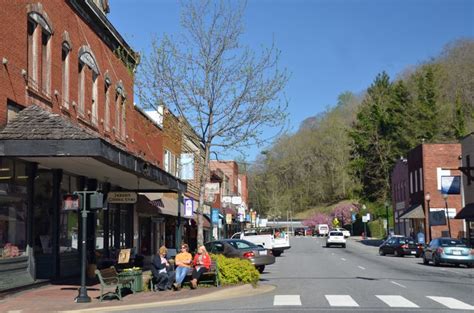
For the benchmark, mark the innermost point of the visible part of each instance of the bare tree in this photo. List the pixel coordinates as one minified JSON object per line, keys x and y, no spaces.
{"x":227,"y":92}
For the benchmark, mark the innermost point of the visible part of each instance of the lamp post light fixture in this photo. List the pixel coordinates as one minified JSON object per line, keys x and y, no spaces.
{"x":428,"y":198}
{"x":445,"y":197}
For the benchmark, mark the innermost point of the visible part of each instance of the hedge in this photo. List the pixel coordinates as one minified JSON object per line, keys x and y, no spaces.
{"x":376,"y":229}
{"x":233,"y":271}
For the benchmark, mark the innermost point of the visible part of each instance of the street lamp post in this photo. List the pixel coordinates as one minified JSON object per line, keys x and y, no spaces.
{"x":386,"y":212}
{"x":445,"y":197}
{"x":365,"y":223}
{"x":428,"y":198}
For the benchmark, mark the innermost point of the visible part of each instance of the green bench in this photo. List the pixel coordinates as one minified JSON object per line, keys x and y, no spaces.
{"x":211,"y":276}
{"x":109,"y":278}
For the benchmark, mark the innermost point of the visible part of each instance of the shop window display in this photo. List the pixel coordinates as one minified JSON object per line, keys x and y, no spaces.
{"x":13,"y":208}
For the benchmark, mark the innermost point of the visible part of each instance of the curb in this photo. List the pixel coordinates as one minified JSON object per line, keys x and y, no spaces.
{"x":228,"y":293}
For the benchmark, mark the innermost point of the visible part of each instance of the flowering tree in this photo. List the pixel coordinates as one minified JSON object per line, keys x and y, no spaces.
{"x":318,"y":218}
{"x":343,"y":212}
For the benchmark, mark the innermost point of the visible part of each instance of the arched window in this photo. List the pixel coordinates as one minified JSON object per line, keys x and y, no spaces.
{"x":107,"y":88}
{"x":39,"y":32}
{"x":120,"y":111}
{"x":88,"y":68}
{"x":65,"y":56}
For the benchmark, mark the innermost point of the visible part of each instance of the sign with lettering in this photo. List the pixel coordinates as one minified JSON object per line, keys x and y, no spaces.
{"x":122,"y":197}
{"x":188,"y":207}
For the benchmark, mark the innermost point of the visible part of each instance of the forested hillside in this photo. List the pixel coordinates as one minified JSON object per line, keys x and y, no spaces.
{"x":348,"y":151}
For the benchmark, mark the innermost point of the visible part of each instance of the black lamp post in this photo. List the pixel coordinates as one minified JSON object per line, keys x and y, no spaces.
{"x":428,"y":198}
{"x":445,"y":197}
{"x":386,"y":212}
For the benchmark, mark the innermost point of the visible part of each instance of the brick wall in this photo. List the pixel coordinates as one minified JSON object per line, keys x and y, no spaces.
{"x":444,"y":156}
{"x":63,"y":18}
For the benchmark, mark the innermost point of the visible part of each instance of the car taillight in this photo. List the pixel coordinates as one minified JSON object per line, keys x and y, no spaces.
{"x":405,"y":246}
{"x":439,"y":250}
{"x":249,"y":255}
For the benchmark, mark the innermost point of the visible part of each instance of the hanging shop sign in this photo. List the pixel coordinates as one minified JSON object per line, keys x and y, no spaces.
{"x":188,"y":207}
{"x":122,"y":197}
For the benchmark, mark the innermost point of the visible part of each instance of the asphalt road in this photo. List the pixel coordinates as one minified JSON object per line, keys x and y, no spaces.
{"x":312,"y":278}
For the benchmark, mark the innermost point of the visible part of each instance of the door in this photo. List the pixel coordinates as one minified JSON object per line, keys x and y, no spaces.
{"x":145,"y":236}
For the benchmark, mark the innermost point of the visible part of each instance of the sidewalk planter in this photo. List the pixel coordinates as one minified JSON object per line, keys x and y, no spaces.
{"x":137,"y":285}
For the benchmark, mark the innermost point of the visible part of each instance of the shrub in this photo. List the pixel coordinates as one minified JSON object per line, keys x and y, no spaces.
{"x":376,"y":229}
{"x":233,"y":271}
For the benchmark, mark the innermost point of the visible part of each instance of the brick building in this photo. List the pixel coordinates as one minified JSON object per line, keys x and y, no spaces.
{"x":433,"y":185}
{"x":69,"y":124}
{"x":467,"y":213}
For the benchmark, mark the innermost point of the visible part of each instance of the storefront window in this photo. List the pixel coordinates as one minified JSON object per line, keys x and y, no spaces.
{"x":13,"y":208}
{"x":68,"y":223}
{"x":43,"y":212}
{"x":99,"y":230}
{"x":119,"y":225}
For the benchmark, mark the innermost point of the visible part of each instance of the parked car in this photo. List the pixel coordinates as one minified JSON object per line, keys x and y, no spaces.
{"x":400,"y":246}
{"x":238,"y":248}
{"x":335,"y":238}
{"x":448,"y":250}
{"x":344,"y":231}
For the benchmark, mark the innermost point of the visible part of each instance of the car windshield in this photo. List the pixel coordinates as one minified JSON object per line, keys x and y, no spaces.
{"x":451,"y":243}
{"x":242,"y":244}
{"x":335,"y":233}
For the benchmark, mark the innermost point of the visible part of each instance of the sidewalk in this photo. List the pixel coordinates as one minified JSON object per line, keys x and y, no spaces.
{"x":60,"y":298}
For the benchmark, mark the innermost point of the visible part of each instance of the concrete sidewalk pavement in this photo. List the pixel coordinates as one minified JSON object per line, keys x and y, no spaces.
{"x":60,"y":298}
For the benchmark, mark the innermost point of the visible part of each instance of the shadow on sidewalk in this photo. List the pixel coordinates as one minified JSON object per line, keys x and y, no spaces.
{"x":371,"y":242}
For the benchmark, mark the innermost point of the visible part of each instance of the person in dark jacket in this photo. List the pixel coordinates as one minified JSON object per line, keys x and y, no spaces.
{"x":163,"y":274}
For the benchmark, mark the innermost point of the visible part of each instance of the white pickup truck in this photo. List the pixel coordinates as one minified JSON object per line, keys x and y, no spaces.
{"x":269,"y":238}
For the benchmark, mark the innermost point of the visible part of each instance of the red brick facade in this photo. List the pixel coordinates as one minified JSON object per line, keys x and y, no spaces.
{"x":17,"y":86}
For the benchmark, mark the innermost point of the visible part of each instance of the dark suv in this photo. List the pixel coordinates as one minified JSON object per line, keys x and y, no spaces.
{"x":400,"y":246}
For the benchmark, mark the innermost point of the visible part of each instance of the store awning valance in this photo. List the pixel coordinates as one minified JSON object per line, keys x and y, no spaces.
{"x":52,"y":141}
{"x":414,"y":211}
{"x":466,"y":213}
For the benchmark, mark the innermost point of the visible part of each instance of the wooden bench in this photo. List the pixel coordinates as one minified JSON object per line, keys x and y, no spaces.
{"x":109,"y":278}
{"x":211,"y":276}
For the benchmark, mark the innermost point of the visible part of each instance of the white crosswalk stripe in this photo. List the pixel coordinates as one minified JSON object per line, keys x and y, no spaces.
{"x":341,"y":300}
{"x":452,"y":303}
{"x":394,"y":301}
{"x":286,"y":300}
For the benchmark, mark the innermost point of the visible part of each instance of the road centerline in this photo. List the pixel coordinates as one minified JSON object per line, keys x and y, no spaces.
{"x":398,"y":284}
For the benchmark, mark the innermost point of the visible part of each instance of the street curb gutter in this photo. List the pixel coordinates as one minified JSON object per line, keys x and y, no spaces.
{"x":228,"y":293}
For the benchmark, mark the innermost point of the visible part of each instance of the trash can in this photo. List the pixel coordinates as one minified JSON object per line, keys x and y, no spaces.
{"x":137,"y":284}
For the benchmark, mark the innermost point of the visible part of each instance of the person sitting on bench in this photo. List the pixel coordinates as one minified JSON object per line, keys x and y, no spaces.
{"x":202,"y":264}
{"x":163,"y":275}
{"x":183,"y":262}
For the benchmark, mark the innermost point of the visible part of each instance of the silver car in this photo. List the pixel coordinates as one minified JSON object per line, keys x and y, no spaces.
{"x":238,"y":248}
{"x":448,"y":250}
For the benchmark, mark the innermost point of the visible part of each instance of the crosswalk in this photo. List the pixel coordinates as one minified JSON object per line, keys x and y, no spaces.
{"x":392,"y":301}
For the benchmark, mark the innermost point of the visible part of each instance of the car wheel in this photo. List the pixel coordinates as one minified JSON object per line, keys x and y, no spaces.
{"x":261,"y":268}
{"x":396,"y":253}
{"x":344,"y":245}
{"x":470,"y":265}
{"x":276,"y":253}
{"x":381,"y":252}
{"x":457,"y":264}
{"x":425,"y":261}
{"x":328,"y":245}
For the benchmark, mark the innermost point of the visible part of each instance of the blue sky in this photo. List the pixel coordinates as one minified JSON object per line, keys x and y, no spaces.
{"x":329,"y":46}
